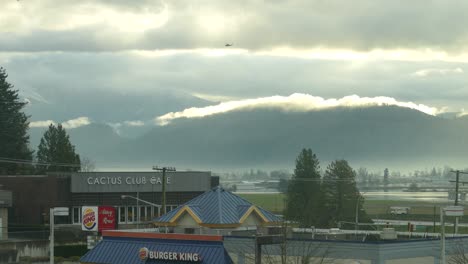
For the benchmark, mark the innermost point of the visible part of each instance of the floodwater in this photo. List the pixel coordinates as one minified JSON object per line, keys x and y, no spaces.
{"x":407,"y":196}
{"x":381,"y":195}
{"x":395,"y":195}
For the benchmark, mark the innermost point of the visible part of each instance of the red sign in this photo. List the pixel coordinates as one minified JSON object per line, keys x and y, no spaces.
{"x":106,"y":218}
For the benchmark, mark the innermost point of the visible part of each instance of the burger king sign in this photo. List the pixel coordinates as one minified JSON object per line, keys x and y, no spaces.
{"x":89,"y":218}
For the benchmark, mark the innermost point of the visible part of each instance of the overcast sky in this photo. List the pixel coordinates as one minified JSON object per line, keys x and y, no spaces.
{"x":412,"y":51}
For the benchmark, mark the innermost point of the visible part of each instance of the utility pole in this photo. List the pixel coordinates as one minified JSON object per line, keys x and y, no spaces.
{"x":51,"y":238}
{"x":164,"y":169}
{"x":442,"y":235}
{"x":457,"y":185}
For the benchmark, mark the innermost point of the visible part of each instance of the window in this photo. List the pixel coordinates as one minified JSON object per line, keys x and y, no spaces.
{"x":189,"y":230}
{"x":122,"y":218}
{"x":133,"y":214}
{"x":148,"y":213}
{"x":129,"y":214}
{"x":76,"y":215}
{"x":156,"y":212}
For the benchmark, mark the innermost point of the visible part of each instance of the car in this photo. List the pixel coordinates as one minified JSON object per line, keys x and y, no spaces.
{"x":394,"y":210}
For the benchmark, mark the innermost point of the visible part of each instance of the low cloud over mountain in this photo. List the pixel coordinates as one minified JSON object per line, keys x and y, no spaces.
{"x":371,"y":136}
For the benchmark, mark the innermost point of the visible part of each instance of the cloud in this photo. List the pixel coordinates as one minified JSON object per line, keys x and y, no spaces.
{"x":45,"y":123}
{"x":78,"y":122}
{"x":462,"y":113}
{"x":69,"y":124}
{"x":140,"y":81}
{"x":435,"y":72}
{"x":119,"y":126}
{"x":39,"y":25}
{"x":293,"y":103}
{"x":134,"y":123}
{"x":214,"y":98}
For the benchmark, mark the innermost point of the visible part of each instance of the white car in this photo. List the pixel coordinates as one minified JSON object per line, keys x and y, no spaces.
{"x":399,"y":210}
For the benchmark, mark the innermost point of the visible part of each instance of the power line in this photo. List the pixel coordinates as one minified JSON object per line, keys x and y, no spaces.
{"x":13,"y":159}
{"x":31,"y":162}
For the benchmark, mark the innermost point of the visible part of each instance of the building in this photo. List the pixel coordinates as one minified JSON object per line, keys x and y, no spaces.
{"x":135,"y":247}
{"x":5,"y":203}
{"x":33,"y":195}
{"x":414,"y":251}
{"x":217,"y":211}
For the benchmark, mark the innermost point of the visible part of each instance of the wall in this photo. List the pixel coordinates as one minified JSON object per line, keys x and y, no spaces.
{"x":12,"y":251}
{"x":3,"y":223}
{"x":421,"y":251}
{"x":186,"y":220}
{"x":33,"y":195}
{"x":252,"y":220}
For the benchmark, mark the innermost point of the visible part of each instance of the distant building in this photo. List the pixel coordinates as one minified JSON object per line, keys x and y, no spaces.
{"x":217,"y":211}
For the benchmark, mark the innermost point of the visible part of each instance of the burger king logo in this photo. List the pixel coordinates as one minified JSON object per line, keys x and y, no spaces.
{"x":143,"y":253}
{"x":89,"y":218}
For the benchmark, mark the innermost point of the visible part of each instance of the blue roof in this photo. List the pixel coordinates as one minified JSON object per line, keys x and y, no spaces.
{"x":118,"y":250}
{"x":220,"y":207}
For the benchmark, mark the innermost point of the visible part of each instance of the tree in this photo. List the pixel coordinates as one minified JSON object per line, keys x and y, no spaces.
{"x":340,"y":195}
{"x":55,"y":148}
{"x":304,"y":190}
{"x":283,"y":186}
{"x":14,"y":125}
{"x":413,"y":187}
{"x":87,"y":165}
{"x":458,"y":253}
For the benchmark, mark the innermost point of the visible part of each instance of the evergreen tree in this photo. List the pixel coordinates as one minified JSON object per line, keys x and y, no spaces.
{"x":14,"y":125}
{"x":55,"y":148}
{"x":340,"y":195}
{"x":304,"y":190}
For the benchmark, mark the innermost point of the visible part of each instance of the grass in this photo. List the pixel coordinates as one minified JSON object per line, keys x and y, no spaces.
{"x":273,"y":202}
{"x":420,"y":210}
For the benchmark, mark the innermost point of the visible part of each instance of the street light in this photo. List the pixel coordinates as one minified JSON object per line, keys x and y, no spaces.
{"x":143,"y":201}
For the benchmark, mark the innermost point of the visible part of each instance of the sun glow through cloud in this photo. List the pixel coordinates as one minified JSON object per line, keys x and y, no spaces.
{"x":70,"y":124}
{"x":80,"y":15}
{"x":294,"y":103}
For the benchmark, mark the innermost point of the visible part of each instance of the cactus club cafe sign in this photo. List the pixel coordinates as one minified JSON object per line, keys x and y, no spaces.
{"x":145,"y":254}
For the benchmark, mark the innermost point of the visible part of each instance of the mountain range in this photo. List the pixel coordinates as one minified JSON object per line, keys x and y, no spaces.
{"x":375,"y":137}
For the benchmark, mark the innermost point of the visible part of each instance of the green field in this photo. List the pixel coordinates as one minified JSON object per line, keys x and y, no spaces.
{"x":273,"y":202}
{"x":420,"y":210}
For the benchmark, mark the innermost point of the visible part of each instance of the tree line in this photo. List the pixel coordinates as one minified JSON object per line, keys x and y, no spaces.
{"x":55,"y":151}
{"x":323,"y":201}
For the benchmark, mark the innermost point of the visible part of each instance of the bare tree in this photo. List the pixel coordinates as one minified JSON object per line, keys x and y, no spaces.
{"x":87,"y":165}
{"x":458,"y":255}
{"x":294,"y":251}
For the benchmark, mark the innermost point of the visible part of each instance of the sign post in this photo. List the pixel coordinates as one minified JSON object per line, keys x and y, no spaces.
{"x":447,"y":211}
{"x":51,"y":246}
{"x":57,"y":211}
{"x":265,"y":240}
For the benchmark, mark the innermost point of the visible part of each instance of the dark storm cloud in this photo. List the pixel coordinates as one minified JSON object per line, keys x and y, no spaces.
{"x":254,"y":25}
{"x":97,"y":81}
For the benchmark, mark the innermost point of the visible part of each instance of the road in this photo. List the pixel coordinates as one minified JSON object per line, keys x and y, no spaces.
{"x":414,"y":222}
